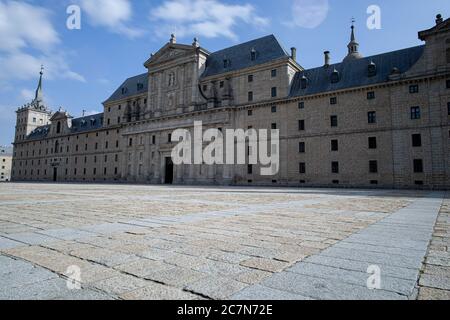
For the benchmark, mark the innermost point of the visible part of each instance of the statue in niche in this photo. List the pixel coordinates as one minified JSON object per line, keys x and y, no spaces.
{"x":171,"y":79}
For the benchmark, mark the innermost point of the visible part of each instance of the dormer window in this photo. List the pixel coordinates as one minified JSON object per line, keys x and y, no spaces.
{"x":335,"y":76}
{"x":253,"y":54}
{"x":140,"y":86}
{"x":124,"y":90}
{"x":303,"y":82}
{"x":93,"y":122}
{"x":226,"y":63}
{"x":372,"y":69}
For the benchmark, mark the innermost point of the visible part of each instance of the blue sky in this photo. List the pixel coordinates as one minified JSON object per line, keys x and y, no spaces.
{"x":83,"y":67}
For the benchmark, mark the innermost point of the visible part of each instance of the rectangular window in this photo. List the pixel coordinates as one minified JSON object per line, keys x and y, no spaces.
{"x":334,"y":121}
{"x":414,"y":88}
{"x":250,"y":78}
{"x":250,"y":169}
{"x":274,"y":73}
{"x":221,"y":84}
{"x":301,"y":147}
{"x":333,"y":100}
{"x":373,"y":166}
{"x":250,"y":96}
{"x":274,"y":126}
{"x":416,"y":140}
{"x":334,"y":145}
{"x":250,"y":113}
{"x":335,"y":167}
{"x":302,"y":168}
{"x":372,"y":117}
{"x":372,"y":143}
{"x":274,"y":109}
{"x":301,"y":125}
{"x":415,"y":113}
{"x":301,"y":105}
{"x":153,"y":139}
{"x":274,"y":92}
{"x":448,"y":108}
{"x":418,"y":166}
{"x":169,"y":138}
{"x":448,"y":84}
{"x":370,"y":95}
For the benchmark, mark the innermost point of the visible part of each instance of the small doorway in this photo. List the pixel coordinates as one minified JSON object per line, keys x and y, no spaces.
{"x":55,"y":174}
{"x":169,"y":171}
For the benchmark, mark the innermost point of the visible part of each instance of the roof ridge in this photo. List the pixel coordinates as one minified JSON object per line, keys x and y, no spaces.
{"x":246,"y":42}
{"x":367,"y":58}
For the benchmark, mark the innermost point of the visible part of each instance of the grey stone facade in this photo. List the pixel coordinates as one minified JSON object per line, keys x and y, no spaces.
{"x":380,"y":121}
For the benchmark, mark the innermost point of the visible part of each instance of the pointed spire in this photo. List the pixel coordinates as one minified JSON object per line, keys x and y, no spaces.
{"x":353,"y":38}
{"x":39,"y":97}
{"x":353,"y":46}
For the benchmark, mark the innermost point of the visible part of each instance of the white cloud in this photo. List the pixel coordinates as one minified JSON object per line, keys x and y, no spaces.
{"x":22,"y":24}
{"x":26,"y":28}
{"x":27,"y":94}
{"x":112,"y":14}
{"x":308,"y":13}
{"x":207,"y":18}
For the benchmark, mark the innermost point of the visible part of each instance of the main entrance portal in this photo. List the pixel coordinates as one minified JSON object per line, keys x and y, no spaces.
{"x":169,"y":171}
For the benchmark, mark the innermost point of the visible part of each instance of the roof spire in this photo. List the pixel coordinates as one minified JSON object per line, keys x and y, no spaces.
{"x":39,"y":97}
{"x":353,"y":46}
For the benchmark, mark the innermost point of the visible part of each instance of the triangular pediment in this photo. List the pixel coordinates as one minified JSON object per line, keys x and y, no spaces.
{"x":170,"y":52}
{"x":60,"y":115}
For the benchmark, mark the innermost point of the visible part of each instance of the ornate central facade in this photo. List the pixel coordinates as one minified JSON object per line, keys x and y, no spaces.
{"x":379,"y":121}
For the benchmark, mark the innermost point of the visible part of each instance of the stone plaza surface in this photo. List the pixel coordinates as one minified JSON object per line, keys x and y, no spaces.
{"x":157,"y":242}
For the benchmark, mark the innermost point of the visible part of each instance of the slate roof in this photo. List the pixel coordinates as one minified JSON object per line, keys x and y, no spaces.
{"x":79,"y":125}
{"x":87,"y":123}
{"x":267,"y":49}
{"x":39,"y":133}
{"x":131,"y":86}
{"x":354,"y":73}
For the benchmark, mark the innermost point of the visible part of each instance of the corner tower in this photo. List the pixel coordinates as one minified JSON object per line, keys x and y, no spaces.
{"x":32,"y":115}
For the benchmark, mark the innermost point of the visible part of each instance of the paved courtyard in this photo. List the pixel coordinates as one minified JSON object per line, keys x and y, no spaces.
{"x":157,"y":242}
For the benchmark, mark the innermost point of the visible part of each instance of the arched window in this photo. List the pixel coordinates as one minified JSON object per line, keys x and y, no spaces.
{"x":303,"y":82}
{"x":335,"y":76}
{"x":58,"y":127}
{"x":253,"y":54}
{"x":372,"y":69}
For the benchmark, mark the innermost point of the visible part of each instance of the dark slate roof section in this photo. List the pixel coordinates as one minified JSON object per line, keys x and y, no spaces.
{"x":39,"y":133}
{"x":354,"y":73}
{"x":79,"y":125}
{"x":267,"y":49}
{"x":88,"y":123}
{"x":131,"y":88}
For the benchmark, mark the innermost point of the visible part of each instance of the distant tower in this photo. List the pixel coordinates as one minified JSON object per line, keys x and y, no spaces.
{"x":353,"y":46}
{"x":32,"y":115}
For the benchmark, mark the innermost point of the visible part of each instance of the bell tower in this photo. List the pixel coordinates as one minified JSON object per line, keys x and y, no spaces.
{"x":32,"y":115}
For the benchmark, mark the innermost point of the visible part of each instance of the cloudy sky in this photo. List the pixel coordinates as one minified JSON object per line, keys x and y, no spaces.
{"x":83,"y":67}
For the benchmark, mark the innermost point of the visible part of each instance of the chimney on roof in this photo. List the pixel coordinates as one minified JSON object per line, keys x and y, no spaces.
{"x":439,"y":19}
{"x":327,"y":58}
{"x":294,"y":53}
